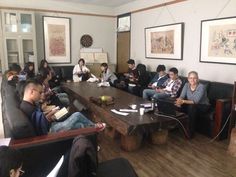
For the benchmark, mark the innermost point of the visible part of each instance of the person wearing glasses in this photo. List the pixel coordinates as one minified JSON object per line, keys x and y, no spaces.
{"x":44,"y":122}
{"x":11,"y":162}
{"x":193,"y":100}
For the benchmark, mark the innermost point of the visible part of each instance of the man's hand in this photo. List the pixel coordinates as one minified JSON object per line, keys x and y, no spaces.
{"x":179,"y":102}
{"x":50,"y":115}
{"x":159,"y":90}
{"x":126,"y":74}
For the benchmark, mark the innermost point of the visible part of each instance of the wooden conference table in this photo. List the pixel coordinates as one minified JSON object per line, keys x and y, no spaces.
{"x":130,"y":127}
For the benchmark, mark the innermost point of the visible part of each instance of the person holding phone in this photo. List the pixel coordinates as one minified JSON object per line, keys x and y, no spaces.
{"x":157,"y":82}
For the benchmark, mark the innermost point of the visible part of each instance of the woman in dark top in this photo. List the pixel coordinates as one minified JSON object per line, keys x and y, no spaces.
{"x":50,"y":96}
{"x":193,"y":100}
{"x":142,"y":81}
{"x":54,"y":82}
{"x":28,"y":70}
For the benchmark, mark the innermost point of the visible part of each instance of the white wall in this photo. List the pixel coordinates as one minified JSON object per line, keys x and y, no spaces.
{"x":101,"y":29}
{"x":58,"y":6}
{"x":190,"y":12}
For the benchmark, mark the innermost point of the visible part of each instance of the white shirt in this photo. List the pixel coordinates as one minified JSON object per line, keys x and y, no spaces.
{"x":169,"y":85}
{"x":77,"y":70}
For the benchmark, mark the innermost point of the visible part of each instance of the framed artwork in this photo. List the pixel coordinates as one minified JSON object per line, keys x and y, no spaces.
{"x":164,"y":42}
{"x":218,"y":40}
{"x":57,"y":39}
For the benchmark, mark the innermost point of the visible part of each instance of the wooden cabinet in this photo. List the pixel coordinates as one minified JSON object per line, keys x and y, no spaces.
{"x":18,"y":38}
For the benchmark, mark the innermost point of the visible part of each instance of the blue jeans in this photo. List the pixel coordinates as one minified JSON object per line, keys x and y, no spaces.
{"x":76,"y":120}
{"x":150,"y":93}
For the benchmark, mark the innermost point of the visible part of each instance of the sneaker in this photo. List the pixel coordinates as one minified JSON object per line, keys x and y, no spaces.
{"x":100,"y":126}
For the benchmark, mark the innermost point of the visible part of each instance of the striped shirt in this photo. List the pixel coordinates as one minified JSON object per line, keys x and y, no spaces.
{"x":172,"y":86}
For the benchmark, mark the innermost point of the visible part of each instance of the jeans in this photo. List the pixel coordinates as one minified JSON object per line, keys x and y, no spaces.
{"x":76,"y":120}
{"x":150,"y":93}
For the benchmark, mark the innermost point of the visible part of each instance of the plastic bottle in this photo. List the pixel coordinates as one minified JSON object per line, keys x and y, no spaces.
{"x":153,"y":104}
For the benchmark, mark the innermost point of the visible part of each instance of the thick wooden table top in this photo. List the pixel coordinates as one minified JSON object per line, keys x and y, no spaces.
{"x":123,"y":124}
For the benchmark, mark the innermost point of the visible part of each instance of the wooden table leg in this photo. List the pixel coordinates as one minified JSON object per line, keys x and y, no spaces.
{"x":111,"y":132}
{"x":131,"y":142}
{"x":159,"y":136}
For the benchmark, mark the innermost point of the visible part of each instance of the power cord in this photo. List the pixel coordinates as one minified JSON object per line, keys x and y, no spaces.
{"x":171,"y":117}
{"x":185,"y":132}
{"x":213,"y":139}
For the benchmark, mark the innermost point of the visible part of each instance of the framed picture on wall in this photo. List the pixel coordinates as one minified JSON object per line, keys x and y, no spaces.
{"x":218,"y":40}
{"x":57,"y":39}
{"x":165,"y":42}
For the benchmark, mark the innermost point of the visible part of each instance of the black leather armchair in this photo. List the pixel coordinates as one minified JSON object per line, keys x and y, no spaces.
{"x":41,"y":152}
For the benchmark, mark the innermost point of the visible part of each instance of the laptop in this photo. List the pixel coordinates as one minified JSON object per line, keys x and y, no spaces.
{"x":168,"y":108}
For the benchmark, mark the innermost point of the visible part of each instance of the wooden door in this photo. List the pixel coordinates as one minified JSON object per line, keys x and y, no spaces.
{"x":123,"y":51}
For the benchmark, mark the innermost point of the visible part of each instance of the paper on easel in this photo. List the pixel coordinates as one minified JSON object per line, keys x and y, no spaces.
{"x":87,"y":56}
{"x":100,"y":57}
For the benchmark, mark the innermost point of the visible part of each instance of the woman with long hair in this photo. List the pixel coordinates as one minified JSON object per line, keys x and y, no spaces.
{"x":80,"y":71}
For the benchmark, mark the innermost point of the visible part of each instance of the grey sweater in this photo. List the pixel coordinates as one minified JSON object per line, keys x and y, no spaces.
{"x":108,"y":76}
{"x":198,"y":96}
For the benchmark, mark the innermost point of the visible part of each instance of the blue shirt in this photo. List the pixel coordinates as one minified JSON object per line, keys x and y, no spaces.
{"x":160,"y":80}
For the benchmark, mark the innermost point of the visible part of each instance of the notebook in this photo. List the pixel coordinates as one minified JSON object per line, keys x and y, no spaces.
{"x":59,"y":114}
{"x":168,"y":108}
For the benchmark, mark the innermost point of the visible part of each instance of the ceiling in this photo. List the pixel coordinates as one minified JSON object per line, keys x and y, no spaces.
{"x":108,"y":3}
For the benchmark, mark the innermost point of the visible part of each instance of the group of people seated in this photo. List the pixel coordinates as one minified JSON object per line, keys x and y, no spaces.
{"x":192,"y":99}
{"x":40,"y":102}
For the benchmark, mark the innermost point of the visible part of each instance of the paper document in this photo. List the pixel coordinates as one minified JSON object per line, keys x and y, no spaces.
{"x":59,"y":114}
{"x":146,"y":105}
{"x":56,"y":169}
{"x":5,"y":141}
{"x":120,"y":113}
{"x":128,"y":110}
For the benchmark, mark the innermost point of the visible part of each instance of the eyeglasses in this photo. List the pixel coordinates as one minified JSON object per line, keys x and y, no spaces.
{"x":21,"y":172}
{"x":40,"y":92}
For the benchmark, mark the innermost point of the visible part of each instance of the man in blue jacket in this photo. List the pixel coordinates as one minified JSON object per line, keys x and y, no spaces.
{"x":157,"y":81}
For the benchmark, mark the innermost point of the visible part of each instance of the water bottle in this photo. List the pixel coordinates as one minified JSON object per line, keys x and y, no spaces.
{"x":152,"y":104}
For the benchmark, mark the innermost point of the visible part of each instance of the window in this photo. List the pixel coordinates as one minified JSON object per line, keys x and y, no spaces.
{"x":123,"y":23}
